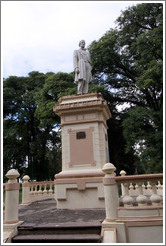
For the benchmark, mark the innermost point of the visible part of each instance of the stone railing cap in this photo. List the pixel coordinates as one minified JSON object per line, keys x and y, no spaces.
{"x":26,"y":178}
{"x":122,"y":172}
{"x":12,"y":174}
{"x":139,"y":177}
{"x":108,"y":168}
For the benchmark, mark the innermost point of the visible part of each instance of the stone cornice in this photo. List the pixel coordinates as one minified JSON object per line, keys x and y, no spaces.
{"x":94,"y":94}
{"x":83,"y":121}
{"x":100,"y":103}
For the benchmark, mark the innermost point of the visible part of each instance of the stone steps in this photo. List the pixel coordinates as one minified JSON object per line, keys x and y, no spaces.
{"x":73,"y":232}
{"x":62,"y":238}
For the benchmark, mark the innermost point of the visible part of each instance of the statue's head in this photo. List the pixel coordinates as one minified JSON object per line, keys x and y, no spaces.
{"x":82,"y":42}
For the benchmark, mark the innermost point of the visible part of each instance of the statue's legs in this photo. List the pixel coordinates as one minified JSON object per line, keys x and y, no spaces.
{"x":88,"y":78}
{"x":85,"y":87}
{"x":80,"y":86}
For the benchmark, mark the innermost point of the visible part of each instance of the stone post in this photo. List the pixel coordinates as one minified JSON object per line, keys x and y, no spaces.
{"x":12,"y":197}
{"x":25,"y":191}
{"x":110,"y":191}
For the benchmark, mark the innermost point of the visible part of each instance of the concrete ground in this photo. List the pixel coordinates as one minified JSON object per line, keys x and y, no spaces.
{"x":46,"y":212}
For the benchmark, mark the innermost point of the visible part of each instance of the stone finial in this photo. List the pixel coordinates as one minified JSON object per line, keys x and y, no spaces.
{"x":12,"y":174}
{"x":109,"y":168}
{"x":122,"y":173}
{"x":26,"y":178}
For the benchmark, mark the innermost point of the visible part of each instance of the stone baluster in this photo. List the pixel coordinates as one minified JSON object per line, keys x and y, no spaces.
{"x":159,"y":189}
{"x":122,"y":173}
{"x":149,"y":189}
{"x":110,"y":191}
{"x":136,"y":193}
{"x":40,"y":190}
{"x":26,"y":190}
{"x":127,"y":200}
{"x":50,"y":190}
{"x":12,"y":197}
{"x":45,"y":190}
{"x":141,"y":199}
{"x":155,"y":198}
{"x":31,"y":189}
{"x":131,"y":189}
{"x":144,"y":188}
{"x":35,"y":191}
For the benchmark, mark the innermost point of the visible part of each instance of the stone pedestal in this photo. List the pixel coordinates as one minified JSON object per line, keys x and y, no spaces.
{"x":84,"y":151}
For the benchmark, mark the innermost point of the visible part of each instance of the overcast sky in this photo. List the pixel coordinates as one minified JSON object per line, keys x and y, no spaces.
{"x":42,"y":35}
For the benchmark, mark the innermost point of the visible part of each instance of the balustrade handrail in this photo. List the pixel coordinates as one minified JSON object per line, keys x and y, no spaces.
{"x":41,"y":182}
{"x":141,"y":177}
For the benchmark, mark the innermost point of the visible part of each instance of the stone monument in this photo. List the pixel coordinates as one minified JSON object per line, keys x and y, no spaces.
{"x":84,"y":142}
{"x":82,"y":68}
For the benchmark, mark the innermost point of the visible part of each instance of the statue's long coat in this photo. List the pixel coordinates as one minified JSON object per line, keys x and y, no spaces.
{"x":79,"y":59}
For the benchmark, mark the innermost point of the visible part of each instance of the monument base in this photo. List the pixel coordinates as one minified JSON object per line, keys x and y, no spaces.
{"x":79,"y":190}
{"x":84,"y":151}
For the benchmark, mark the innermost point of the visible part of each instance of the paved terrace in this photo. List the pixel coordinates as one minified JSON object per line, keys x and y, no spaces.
{"x":46,"y":212}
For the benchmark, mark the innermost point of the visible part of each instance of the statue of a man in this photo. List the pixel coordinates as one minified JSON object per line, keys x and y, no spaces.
{"x":82,"y":68}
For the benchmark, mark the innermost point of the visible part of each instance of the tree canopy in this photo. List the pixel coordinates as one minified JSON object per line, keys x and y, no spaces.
{"x":31,"y":132}
{"x":127,"y":70}
{"x":128,"y":60}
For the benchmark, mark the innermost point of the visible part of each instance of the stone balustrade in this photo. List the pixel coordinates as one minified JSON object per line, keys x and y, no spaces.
{"x":140,"y":197}
{"x":31,"y":191}
{"x":133,"y":207}
{"x":141,"y":190}
{"x":130,"y":191}
{"x":36,"y":191}
{"x":146,"y":186}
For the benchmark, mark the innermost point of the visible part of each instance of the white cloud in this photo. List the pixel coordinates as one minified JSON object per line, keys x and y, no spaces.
{"x":42,"y":35}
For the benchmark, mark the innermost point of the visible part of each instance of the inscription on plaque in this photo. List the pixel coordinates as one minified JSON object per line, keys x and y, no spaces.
{"x":80,"y":135}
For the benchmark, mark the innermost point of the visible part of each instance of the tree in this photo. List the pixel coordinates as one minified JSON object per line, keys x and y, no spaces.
{"x":32,"y":141}
{"x":129,"y":61}
{"x":56,"y":86}
{"x":15,"y":143}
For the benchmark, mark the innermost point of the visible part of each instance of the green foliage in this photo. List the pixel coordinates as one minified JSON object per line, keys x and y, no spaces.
{"x":129,"y":61}
{"x":56,"y":85}
{"x":117,"y":144}
{"x":148,"y":146}
{"x":32,"y":141}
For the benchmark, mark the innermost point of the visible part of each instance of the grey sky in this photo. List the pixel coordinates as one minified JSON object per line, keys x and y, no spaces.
{"x":42,"y":35}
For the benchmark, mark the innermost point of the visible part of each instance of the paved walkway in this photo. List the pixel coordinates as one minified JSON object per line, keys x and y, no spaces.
{"x":46,"y":212}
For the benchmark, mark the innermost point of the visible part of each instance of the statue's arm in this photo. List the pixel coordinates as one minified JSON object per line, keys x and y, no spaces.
{"x":75,"y":60}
